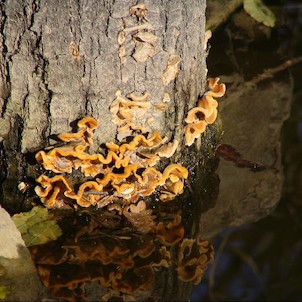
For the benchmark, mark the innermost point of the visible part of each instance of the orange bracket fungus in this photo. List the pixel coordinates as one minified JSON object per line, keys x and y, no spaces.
{"x":205,"y":112}
{"x":136,"y":178}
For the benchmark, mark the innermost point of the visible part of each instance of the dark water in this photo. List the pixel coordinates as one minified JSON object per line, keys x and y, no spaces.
{"x":131,"y":253}
{"x":262,"y":261}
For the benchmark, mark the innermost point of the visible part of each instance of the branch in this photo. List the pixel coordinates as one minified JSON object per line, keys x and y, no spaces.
{"x":266,"y":74}
{"x":218,"y":11}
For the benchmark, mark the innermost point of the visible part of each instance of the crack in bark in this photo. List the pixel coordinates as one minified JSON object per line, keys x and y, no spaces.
{"x":166,"y":27}
{"x":87,"y":104}
{"x":3,"y":168}
{"x":30,"y":17}
{"x":47,"y":103}
{"x":21,"y":160}
{"x":5,"y":73}
{"x":86,"y":71}
{"x":75,"y":4}
{"x":41,"y":70}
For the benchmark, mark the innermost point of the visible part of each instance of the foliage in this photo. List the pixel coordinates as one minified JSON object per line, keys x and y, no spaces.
{"x":260,"y":12}
{"x":37,"y":226}
{"x":3,"y":292}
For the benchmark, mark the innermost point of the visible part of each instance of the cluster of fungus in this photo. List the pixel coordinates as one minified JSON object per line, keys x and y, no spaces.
{"x":205,"y":112}
{"x":127,"y":110}
{"x":141,"y":34}
{"x":193,"y":258}
{"x":130,"y":114}
{"x":123,"y":175}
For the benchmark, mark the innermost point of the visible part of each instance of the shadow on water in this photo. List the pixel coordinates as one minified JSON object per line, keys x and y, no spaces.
{"x":261,"y":261}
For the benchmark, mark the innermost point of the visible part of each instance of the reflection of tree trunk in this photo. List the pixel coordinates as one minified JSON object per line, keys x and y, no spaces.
{"x":60,"y":61}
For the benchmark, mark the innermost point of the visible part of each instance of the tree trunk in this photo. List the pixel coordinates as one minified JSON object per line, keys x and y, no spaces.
{"x":61,"y":61}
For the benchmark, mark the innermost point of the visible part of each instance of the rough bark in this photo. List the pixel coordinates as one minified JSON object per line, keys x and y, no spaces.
{"x":59,"y":61}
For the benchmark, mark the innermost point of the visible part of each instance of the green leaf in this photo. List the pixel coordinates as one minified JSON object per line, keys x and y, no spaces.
{"x":260,"y":12}
{"x":37,"y":226}
{"x":3,"y":292}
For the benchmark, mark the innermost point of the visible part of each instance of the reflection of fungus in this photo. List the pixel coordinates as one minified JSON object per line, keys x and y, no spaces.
{"x":140,"y":218}
{"x":106,"y":251}
{"x":169,"y":236}
{"x":162,"y":257}
{"x":62,"y":275}
{"x":170,"y":233}
{"x":136,"y":280}
{"x":121,"y":262}
{"x":66,"y":294}
{"x":49,"y":253}
{"x":193,"y":258}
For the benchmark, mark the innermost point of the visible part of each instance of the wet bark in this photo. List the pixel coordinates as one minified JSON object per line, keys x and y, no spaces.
{"x":59,"y":61}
